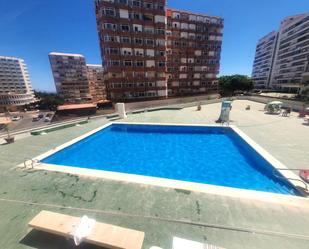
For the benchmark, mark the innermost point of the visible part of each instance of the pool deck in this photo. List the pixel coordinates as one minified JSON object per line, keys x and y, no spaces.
{"x":234,"y":223}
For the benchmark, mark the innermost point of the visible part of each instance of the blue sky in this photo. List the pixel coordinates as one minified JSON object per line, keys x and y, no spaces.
{"x":31,"y":29}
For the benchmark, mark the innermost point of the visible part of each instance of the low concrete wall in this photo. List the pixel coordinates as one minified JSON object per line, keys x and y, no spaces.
{"x":168,"y":102}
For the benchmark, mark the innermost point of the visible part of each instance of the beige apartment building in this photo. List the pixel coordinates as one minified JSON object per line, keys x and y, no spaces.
{"x":70,"y":76}
{"x":291,"y":55}
{"x":75,"y":80}
{"x":15,"y":84}
{"x":96,"y":82}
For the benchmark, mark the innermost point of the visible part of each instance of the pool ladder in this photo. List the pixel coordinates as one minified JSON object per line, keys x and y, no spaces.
{"x":293,"y":179}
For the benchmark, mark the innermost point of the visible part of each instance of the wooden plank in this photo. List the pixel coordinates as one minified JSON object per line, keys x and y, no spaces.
{"x":105,"y":235}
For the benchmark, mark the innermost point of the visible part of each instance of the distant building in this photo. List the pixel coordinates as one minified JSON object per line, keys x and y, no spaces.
{"x":263,"y":61}
{"x":15,"y":84}
{"x":193,"y":52}
{"x":96,"y":82}
{"x":305,"y":81}
{"x":153,"y":53}
{"x":290,"y":57}
{"x":70,"y":76}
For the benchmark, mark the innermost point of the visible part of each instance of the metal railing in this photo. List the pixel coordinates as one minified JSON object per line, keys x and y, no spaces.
{"x":292,"y":179}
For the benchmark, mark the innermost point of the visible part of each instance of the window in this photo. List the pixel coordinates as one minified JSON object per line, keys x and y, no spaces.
{"x":150,"y":52}
{"x":136,"y":16}
{"x":160,"y":7}
{"x":160,"y":42}
{"x":139,"y":52}
{"x":159,"y":18}
{"x":161,"y":53}
{"x":109,"y":26}
{"x":138,"y":41}
{"x":161,"y":31}
{"x":123,"y":13}
{"x":139,"y":63}
{"x":126,"y":51}
{"x":136,"y":3}
{"x":123,"y":2}
{"x":176,"y":15}
{"x":149,"y":42}
{"x":108,"y":38}
{"x":161,"y":64}
{"x":148,"y":17}
{"x":127,"y":63}
{"x":109,"y":12}
{"x":125,"y":39}
{"x":148,"y":5}
{"x":137,"y":28}
{"x":125,"y":27}
{"x":149,"y":30}
{"x":112,"y":50}
{"x":113,"y":63}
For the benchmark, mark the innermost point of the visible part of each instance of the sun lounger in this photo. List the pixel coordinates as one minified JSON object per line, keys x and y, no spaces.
{"x":105,"y":235}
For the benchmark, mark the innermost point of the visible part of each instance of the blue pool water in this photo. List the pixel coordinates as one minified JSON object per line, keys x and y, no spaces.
{"x":211,"y":155}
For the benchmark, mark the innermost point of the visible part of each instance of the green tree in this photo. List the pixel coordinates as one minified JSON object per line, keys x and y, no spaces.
{"x":228,"y":85}
{"x":48,"y":101}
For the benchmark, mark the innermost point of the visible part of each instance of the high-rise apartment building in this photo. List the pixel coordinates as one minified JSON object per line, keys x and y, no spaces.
{"x":193,"y":52}
{"x":70,"y":76}
{"x":96,"y":82}
{"x":141,"y":55}
{"x":133,"y":46}
{"x":15,"y":84}
{"x":263,"y":62}
{"x":291,"y":54}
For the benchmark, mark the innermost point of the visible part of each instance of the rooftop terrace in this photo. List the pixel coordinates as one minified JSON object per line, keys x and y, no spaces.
{"x":234,"y":223}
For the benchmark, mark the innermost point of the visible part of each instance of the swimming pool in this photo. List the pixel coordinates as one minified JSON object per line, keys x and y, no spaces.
{"x":199,"y":154}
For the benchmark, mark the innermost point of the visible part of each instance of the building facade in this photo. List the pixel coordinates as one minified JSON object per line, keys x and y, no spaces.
{"x":263,"y":61}
{"x":15,"y":84}
{"x":70,"y":76}
{"x":193,"y":52}
{"x":291,"y":54}
{"x":142,"y":58}
{"x":133,"y":47}
{"x":96,"y":82}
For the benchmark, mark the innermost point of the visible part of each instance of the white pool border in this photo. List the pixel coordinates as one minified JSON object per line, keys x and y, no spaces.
{"x":177,"y":184}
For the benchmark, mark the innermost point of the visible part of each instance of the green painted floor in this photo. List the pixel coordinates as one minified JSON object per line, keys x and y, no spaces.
{"x":157,"y":211}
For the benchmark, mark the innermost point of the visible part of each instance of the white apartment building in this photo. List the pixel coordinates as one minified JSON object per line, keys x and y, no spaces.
{"x":263,"y":61}
{"x":291,"y":55}
{"x":15,"y":84}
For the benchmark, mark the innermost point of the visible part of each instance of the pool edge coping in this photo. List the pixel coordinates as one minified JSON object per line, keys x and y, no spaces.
{"x":178,"y":184}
